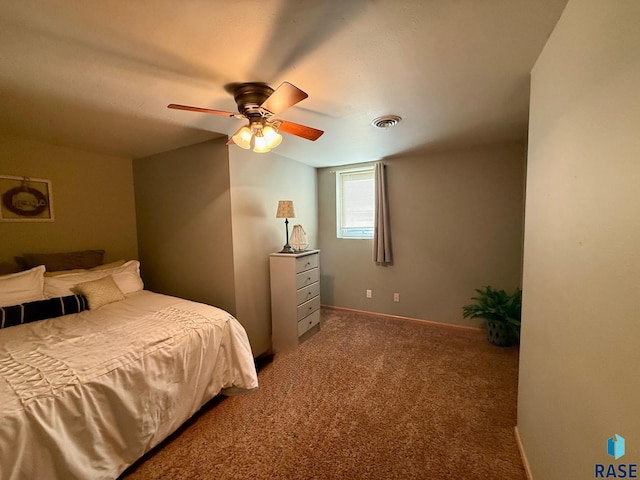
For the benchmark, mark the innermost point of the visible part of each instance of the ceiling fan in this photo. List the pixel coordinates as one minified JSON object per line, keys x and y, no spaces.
{"x":259,"y":103}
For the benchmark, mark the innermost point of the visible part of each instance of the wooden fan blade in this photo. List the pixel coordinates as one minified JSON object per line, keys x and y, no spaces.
{"x":201,"y":110}
{"x":285,"y":96}
{"x":300,"y":130}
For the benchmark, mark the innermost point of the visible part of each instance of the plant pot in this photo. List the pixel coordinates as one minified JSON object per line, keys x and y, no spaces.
{"x":500,"y":334}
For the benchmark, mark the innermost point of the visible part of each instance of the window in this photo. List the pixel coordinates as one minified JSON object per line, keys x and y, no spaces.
{"x":355,"y":202}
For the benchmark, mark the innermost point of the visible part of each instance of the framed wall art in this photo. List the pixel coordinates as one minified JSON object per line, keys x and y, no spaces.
{"x":25,"y":199}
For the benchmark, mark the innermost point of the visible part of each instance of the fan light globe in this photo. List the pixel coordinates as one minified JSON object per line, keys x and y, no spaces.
{"x":260,"y":144}
{"x":272,"y":136}
{"x":242,"y":138}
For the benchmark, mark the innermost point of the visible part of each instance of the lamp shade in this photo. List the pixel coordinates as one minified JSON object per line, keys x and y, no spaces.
{"x":242,"y":137}
{"x":285,"y":209}
{"x":272,"y":136}
{"x":260,"y":143}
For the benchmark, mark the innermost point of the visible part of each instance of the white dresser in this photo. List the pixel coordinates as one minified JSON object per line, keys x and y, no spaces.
{"x":295,"y":297}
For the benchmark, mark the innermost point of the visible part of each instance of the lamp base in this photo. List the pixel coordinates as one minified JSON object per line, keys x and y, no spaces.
{"x":287,"y":249}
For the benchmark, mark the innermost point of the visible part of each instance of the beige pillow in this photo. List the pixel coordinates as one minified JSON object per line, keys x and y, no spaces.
{"x":117,"y":263}
{"x":100,"y":292}
{"x":65,"y":272}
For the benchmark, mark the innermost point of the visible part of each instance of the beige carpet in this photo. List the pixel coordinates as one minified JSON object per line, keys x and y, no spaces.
{"x":365,"y":398}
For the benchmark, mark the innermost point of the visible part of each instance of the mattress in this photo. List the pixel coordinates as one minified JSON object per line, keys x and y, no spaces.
{"x":83,"y":396}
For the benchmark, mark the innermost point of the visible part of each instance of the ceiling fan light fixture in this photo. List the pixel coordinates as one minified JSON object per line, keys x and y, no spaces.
{"x":260,"y":144}
{"x":242,"y":137}
{"x":258,"y":135}
{"x":272,"y":136}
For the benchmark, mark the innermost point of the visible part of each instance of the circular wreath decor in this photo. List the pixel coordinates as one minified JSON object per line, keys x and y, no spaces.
{"x":25,"y":201}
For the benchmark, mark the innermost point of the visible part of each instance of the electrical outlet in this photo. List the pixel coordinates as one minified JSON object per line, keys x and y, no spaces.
{"x":396,"y":297}
{"x":369,"y":294}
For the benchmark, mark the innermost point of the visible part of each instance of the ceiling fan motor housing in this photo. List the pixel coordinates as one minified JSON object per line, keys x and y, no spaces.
{"x":249,"y":97}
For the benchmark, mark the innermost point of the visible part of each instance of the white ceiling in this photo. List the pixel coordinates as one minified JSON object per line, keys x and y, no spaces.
{"x":98,"y":74}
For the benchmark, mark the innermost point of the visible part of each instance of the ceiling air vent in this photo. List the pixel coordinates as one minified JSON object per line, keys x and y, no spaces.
{"x":386,"y":121}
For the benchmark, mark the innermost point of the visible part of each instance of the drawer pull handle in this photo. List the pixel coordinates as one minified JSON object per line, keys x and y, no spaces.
{"x":307,"y":264}
{"x":310,"y":308}
{"x":308,"y":279}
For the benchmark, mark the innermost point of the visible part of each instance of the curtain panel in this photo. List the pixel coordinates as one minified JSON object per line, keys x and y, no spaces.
{"x":382,"y":254}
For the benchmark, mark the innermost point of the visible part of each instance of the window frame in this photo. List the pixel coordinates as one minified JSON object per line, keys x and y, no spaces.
{"x":354,"y":233}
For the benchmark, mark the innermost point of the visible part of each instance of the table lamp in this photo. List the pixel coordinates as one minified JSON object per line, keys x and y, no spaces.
{"x":285,"y":210}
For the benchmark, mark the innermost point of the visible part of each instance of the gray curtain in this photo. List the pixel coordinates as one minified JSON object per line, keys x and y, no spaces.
{"x":382,"y":230}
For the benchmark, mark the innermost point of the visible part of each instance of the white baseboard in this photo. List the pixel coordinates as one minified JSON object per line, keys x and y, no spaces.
{"x":523,"y":456}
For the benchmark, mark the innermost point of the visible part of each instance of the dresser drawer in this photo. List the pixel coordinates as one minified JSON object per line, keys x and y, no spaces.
{"x":306,"y":263}
{"x":308,"y":307}
{"x":307,"y":293}
{"x":308,"y":322}
{"x":307,"y":278}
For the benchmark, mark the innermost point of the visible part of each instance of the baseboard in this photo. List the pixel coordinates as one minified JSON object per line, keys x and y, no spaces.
{"x":523,"y":456}
{"x":401,"y":318}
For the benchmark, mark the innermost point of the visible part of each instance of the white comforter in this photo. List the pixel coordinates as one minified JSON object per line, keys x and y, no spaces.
{"x":85,"y":395}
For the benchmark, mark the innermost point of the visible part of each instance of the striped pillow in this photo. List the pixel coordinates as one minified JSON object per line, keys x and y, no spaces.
{"x":41,"y":310}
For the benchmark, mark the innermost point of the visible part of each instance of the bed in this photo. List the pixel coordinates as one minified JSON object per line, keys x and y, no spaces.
{"x":84,"y":395}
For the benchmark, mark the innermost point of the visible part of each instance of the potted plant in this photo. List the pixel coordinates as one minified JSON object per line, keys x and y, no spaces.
{"x":502,"y":312}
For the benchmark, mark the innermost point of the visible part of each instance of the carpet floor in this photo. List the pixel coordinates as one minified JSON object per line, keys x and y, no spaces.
{"x":365,"y":398}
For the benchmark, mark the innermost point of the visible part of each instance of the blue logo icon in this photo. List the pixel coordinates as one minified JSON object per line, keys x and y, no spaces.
{"x":615,"y":446}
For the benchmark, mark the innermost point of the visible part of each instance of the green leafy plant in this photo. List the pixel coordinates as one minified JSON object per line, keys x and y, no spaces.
{"x":497,"y":306}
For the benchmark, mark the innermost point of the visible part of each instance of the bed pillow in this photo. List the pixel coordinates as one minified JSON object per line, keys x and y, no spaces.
{"x":64,"y":261}
{"x":41,"y":310}
{"x":100,"y":292}
{"x":21,"y":287}
{"x":127,"y":277}
{"x":117,"y":263}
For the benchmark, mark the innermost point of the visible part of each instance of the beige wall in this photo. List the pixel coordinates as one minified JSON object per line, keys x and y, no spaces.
{"x":579,"y":381}
{"x":206,"y":226}
{"x":258,"y":181}
{"x":456,"y":221}
{"x":92,"y":198}
{"x":183,"y":207}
